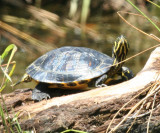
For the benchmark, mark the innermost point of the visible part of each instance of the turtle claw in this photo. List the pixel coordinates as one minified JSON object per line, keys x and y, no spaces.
{"x":102,"y":85}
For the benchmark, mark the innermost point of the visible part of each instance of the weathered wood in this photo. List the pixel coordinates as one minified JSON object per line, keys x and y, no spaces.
{"x":90,"y":110}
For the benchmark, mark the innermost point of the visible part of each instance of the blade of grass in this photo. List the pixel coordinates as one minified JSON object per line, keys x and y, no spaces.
{"x":3,"y":111}
{"x":9,"y":122}
{"x":144,"y":15}
{"x":7,"y":50}
{"x":3,"y":117}
{"x":10,"y":74}
{"x":72,"y":130}
{"x":15,"y":120}
{"x":153,"y":3}
{"x":13,"y":49}
{"x":85,"y":10}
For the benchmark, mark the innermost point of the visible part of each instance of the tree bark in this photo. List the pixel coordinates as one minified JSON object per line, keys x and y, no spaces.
{"x":92,"y":110}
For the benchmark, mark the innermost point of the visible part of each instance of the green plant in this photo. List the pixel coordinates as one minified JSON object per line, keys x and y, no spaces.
{"x":144,"y":14}
{"x":10,"y":124}
{"x":4,"y":67}
{"x":74,"y":131}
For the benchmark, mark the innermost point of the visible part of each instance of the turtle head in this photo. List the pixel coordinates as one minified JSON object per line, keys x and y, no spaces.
{"x":126,"y":73}
{"x":120,"y":49}
{"x":25,"y":78}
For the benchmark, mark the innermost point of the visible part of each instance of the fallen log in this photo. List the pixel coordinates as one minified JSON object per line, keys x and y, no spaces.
{"x":91,"y":110}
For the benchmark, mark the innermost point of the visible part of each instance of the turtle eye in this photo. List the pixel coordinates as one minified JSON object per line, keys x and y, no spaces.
{"x":27,"y":79}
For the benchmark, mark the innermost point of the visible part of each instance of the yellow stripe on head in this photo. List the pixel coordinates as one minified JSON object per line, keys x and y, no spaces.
{"x":120,"y":49}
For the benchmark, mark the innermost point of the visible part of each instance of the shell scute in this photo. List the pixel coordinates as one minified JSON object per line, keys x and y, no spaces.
{"x":69,"y":64}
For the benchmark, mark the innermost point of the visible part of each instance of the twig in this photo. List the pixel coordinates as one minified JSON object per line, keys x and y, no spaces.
{"x":47,"y":18}
{"x":16,"y":41}
{"x":134,"y":26}
{"x":144,"y":15}
{"x":25,"y":37}
{"x":144,"y":114}
{"x":129,"y":58}
{"x":150,"y":94}
{"x":13,"y":62}
{"x":126,"y":105}
{"x":151,"y":112}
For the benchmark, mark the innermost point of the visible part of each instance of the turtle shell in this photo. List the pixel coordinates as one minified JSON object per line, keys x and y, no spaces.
{"x":69,"y":64}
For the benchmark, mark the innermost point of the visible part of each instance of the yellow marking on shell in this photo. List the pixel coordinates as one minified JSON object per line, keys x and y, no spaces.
{"x":67,"y":86}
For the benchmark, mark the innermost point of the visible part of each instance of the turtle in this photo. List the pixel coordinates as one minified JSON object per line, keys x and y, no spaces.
{"x":71,"y":67}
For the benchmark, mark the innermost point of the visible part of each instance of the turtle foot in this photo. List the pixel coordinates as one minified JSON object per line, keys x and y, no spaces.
{"x":40,"y":92}
{"x":37,"y":95}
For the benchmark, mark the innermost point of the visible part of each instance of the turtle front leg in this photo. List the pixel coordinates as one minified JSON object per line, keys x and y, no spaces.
{"x":101,"y":80}
{"x":40,"y":92}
